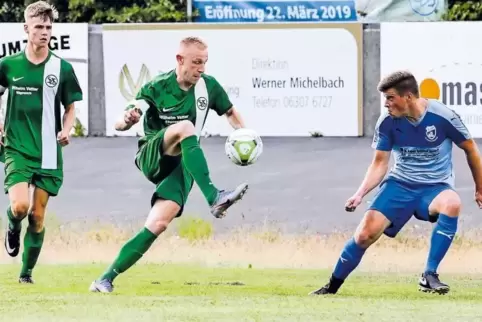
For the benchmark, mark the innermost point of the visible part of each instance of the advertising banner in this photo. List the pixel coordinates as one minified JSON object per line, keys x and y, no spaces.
{"x":286,"y":80}
{"x":275,"y":11}
{"x":70,"y":42}
{"x":370,"y":11}
{"x":446,"y":61}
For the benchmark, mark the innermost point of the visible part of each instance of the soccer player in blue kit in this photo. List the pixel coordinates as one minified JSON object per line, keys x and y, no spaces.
{"x":420,"y":133}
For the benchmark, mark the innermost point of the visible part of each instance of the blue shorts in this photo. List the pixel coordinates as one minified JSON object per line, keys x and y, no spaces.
{"x":399,"y":201}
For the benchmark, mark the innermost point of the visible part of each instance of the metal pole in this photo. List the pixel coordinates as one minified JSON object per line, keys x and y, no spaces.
{"x":189,"y":10}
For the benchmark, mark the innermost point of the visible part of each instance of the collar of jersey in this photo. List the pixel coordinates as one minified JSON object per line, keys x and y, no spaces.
{"x":417,"y":123}
{"x":39,"y":64}
{"x":175,"y":86}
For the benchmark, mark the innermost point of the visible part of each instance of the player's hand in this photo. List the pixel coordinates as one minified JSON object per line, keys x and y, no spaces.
{"x":63,"y":138}
{"x":131,"y":117}
{"x":478,"y":198}
{"x":352,"y":203}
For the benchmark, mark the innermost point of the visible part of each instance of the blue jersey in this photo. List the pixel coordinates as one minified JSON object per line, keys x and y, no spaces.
{"x":422,"y":149}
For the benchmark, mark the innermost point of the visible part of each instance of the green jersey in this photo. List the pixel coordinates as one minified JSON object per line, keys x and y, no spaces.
{"x":33,"y":110}
{"x":165,"y":103}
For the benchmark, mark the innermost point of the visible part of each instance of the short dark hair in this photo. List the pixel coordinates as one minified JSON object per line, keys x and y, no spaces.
{"x":401,"y":81}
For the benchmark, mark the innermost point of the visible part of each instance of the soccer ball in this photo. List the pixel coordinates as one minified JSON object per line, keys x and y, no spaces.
{"x":243,"y":147}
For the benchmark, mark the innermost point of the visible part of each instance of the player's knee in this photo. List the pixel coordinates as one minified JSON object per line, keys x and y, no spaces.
{"x":162,"y":213}
{"x":451,"y":206}
{"x":159,"y":226}
{"x":364,"y":237}
{"x":447,"y":202}
{"x":20,"y":208}
{"x":184,"y":129}
{"x":370,"y":229}
{"x":36,"y":220}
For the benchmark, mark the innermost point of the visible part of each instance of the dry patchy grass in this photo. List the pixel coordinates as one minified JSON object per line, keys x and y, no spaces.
{"x":262,"y":248}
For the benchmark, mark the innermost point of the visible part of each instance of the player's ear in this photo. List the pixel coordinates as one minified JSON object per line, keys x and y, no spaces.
{"x":25,"y":28}
{"x":179,"y":59}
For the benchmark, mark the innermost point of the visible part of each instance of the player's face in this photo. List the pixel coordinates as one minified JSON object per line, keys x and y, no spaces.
{"x":192,"y":63}
{"x":39,"y":31}
{"x":397,"y":105}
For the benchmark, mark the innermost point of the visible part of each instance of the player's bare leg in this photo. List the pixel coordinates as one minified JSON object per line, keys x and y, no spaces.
{"x":160,"y":216}
{"x":180,"y":138}
{"x":367,"y":233}
{"x":34,"y":236}
{"x":447,"y":207}
{"x":16,"y":212}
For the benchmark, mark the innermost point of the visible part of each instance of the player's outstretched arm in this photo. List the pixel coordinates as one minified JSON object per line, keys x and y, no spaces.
{"x":383,"y":144}
{"x":220,"y":102}
{"x":458,"y":132}
{"x":475,"y":164}
{"x":374,"y":175}
{"x":127,"y":120}
{"x":131,"y":115}
{"x":234,"y":118}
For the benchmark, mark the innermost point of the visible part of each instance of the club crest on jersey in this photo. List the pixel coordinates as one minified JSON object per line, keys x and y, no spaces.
{"x":51,"y":81}
{"x":431,"y":133}
{"x":202,"y":103}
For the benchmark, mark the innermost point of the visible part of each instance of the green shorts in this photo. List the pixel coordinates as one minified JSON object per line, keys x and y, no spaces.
{"x":17,"y":170}
{"x":168,"y":173}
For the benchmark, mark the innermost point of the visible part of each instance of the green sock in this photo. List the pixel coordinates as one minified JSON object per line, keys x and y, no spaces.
{"x":32,"y":243}
{"x":130,"y":253}
{"x":13,"y":223}
{"x":196,"y":164}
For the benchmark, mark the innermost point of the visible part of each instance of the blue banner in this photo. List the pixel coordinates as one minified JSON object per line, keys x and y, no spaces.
{"x":276,"y":11}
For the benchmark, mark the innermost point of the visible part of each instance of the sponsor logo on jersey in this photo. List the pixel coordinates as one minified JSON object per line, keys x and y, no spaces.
{"x":51,"y":81}
{"x":431,"y":133}
{"x":202,"y":103}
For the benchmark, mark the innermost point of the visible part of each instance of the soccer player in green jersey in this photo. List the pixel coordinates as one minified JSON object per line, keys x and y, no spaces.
{"x":38,"y":83}
{"x":175,"y":105}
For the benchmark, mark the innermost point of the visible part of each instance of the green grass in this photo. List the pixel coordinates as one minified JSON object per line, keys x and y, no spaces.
{"x":159,"y":292}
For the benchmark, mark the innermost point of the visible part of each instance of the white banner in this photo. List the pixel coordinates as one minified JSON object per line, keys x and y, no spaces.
{"x":70,"y":42}
{"x":370,"y":11}
{"x":445,"y":59}
{"x":284,"y":81}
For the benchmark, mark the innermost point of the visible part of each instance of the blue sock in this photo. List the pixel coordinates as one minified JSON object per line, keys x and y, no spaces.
{"x":349,"y":259}
{"x":442,"y":236}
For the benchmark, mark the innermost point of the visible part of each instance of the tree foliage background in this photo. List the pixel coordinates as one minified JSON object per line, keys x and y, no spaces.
{"x":464,"y":11}
{"x":102,"y":11}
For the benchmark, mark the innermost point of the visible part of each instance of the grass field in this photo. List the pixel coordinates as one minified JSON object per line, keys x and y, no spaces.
{"x":190,"y":274}
{"x":194,"y":293}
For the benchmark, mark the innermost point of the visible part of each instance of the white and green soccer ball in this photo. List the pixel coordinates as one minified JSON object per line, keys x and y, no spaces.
{"x":243,"y":147}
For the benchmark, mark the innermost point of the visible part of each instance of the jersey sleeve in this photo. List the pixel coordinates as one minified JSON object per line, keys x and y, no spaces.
{"x":3,"y":78}
{"x":382,"y":138}
{"x":144,"y":98}
{"x":219,"y":99}
{"x":456,"y":129}
{"x":71,"y":90}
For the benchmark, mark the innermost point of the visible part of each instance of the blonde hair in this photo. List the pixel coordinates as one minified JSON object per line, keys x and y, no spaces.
{"x":193,"y":41}
{"x":41,"y":9}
